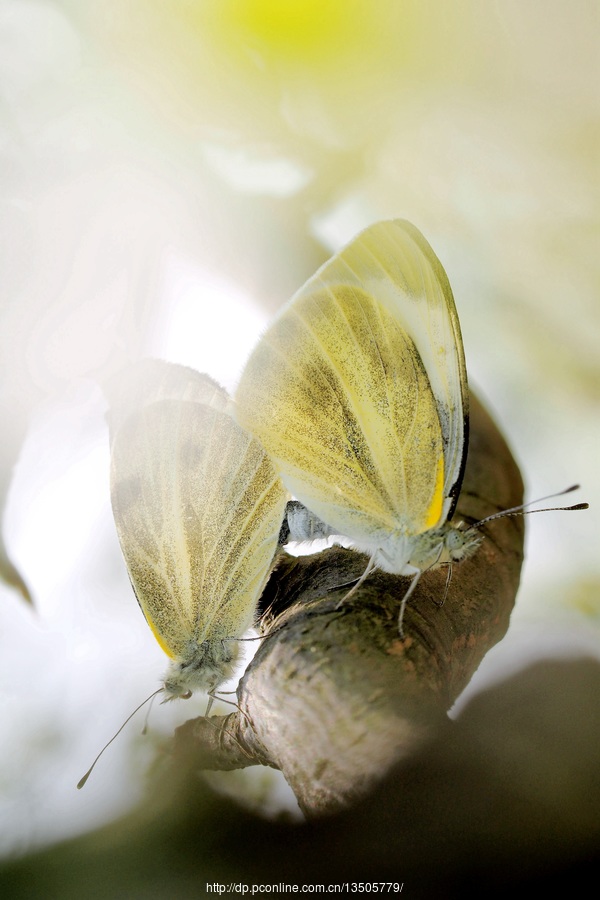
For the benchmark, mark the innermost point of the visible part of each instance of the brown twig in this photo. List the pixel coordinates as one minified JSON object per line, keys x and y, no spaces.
{"x":334,"y":697}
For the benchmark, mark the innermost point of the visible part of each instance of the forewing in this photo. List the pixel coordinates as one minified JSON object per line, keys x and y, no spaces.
{"x":198,"y":509}
{"x":338,"y":396}
{"x":149,"y":380}
{"x":393,"y":262}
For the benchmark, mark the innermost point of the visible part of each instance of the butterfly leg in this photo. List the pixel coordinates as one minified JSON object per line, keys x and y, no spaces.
{"x":365,"y":574}
{"x":220,"y":728}
{"x":446,"y":587}
{"x":405,"y":600}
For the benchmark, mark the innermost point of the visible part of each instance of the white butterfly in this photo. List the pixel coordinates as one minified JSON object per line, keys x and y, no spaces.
{"x":358,"y":391}
{"x":198,"y":509}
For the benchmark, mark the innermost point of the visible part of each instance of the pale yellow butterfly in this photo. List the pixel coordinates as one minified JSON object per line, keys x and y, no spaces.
{"x":198,"y":509}
{"x":358,"y":391}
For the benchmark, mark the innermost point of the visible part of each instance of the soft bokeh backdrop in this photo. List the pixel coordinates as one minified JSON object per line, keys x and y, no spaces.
{"x":169,"y":175}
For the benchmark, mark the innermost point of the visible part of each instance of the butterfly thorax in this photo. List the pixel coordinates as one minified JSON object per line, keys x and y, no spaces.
{"x":201,"y":667}
{"x":403,"y":554}
{"x":398,"y":552}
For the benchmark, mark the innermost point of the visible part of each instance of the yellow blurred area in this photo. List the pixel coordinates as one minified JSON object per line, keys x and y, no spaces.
{"x":309,"y":32}
{"x":477,"y":121}
{"x":258,"y":67}
{"x":357,"y":55}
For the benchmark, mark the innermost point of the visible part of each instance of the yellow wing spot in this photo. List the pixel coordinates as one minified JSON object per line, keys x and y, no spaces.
{"x":160,"y":640}
{"x":435,"y":510}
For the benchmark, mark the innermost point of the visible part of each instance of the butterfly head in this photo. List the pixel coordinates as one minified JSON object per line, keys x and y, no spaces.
{"x":203,"y":667}
{"x":459,"y":542}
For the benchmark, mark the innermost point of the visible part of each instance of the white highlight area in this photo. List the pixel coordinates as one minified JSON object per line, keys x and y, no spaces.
{"x":73,"y":670}
{"x":208,"y":322}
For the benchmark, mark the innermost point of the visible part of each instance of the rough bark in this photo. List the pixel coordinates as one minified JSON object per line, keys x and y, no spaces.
{"x":503,"y":801}
{"x":335,"y":697}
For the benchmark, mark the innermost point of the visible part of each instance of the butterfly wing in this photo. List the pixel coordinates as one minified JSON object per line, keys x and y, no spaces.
{"x":358,"y":389}
{"x":394,"y":261}
{"x":149,"y":380}
{"x":198,"y":509}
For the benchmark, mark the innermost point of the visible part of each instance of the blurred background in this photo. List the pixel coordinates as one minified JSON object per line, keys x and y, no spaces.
{"x":169,"y":175}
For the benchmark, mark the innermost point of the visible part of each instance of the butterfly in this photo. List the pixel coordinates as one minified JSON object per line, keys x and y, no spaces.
{"x":198,"y":508}
{"x":358,"y":391}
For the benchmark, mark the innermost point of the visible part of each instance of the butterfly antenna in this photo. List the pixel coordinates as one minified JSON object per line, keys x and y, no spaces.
{"x":83,"y":780}
{"x":522,"y":510}
{"x":152,"y":699}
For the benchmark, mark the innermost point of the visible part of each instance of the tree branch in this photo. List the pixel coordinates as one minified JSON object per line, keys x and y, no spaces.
{"x":334,"y":697}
